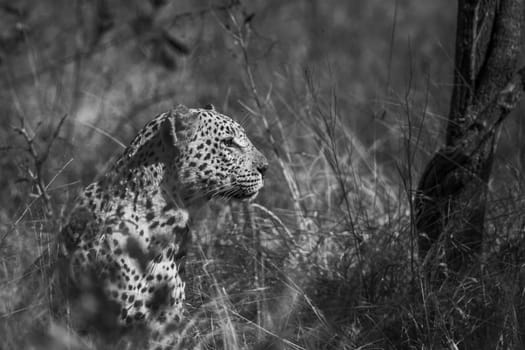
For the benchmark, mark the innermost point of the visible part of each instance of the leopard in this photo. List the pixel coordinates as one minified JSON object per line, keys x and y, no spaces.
{"x":128,"y":234}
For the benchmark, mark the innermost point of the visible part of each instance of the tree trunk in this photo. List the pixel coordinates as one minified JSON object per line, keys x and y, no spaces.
{"x":451,"y":198}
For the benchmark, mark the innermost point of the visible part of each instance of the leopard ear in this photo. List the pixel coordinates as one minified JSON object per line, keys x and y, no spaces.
{"x":177,"y":126}
{"x":209,"y":107}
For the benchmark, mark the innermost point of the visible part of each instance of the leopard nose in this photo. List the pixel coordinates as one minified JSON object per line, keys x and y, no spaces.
{"x":262,"y":166}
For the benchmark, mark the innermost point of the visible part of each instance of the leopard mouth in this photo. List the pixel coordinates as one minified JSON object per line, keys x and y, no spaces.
{"x":246,"y":196}
{"x":251,"y":191}
{"x":240,"y":192}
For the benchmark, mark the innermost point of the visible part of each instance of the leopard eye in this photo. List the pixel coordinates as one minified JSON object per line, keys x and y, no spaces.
{"x":229,"y":141}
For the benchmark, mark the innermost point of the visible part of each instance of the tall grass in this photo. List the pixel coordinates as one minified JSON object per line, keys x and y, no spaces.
{"x":325,"y":258}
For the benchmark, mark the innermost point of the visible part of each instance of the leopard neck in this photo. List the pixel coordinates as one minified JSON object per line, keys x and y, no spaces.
{"x":142,"y":170}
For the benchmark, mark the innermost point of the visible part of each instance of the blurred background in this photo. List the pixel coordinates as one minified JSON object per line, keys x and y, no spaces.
{"x":347,"y":99}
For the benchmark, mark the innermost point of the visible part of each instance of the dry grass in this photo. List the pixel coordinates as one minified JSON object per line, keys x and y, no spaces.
{"x":325,"y":258}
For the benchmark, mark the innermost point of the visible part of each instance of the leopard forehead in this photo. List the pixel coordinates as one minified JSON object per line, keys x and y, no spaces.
{"x":212,"y":123}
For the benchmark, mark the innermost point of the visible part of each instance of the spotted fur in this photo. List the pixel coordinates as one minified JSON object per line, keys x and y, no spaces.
{"x":128,"y":233}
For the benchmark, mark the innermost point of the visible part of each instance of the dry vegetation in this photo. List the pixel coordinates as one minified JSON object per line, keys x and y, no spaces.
{"x":346,"y":99}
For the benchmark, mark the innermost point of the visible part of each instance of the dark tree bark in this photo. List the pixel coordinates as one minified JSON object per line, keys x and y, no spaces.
{"x":451,"y":198}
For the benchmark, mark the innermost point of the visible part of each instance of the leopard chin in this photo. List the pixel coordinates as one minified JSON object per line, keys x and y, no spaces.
{"x":252,"y":197}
